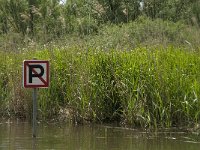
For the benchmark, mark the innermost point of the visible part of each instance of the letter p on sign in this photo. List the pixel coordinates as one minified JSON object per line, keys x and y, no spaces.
{"x":36,"y":74}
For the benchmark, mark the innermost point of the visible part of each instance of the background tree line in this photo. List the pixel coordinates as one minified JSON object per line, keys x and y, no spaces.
{"x":50,"y":19}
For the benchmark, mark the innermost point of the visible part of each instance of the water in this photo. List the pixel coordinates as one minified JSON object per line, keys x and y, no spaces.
{"x":18,"y":135}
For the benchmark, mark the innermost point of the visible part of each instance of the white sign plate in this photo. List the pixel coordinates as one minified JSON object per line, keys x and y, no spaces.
{"x":36,"y":74}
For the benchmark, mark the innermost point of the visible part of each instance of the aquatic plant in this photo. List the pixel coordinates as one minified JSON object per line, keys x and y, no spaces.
{"x":141,"y":87}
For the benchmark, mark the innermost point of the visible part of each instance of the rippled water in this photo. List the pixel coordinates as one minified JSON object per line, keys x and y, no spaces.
{"x":18,"y":135}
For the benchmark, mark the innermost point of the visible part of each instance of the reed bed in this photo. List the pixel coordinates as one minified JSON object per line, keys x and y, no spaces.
{"x":145,"y":87}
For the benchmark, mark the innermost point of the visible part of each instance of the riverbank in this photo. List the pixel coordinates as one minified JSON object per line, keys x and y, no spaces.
{"x":143,"y":87}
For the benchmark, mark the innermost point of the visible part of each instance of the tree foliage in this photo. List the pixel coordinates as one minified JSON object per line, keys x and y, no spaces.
{"x":50,"y":19}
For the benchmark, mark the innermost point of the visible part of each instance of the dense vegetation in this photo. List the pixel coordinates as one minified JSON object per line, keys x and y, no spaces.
{"x":145,"y":87}
{"x":134,"y":62}
{"x":25,"y":22}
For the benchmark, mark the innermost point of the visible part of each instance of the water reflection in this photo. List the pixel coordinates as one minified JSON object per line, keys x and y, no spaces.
{"x":18,"y":135}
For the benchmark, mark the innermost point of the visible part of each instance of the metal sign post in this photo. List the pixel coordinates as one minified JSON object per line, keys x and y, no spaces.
{"x":34,"y":111}
{"x":35,"y":75}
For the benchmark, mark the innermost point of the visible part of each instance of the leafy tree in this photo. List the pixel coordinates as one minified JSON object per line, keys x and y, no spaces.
{"x":196,"y":13}
{"x":117,"y":11}
{"x":12,"y":12}
{"x":3,"y":19}
{"x":48,"y":19}
{"x":169,"y":9}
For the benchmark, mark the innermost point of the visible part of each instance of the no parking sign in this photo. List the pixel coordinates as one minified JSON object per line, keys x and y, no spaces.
{"x":36,"y":74}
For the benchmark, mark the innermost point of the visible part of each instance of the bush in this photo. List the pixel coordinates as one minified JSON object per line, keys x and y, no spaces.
{"x":146,"y":32}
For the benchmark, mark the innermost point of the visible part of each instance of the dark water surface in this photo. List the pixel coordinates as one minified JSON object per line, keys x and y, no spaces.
{"x":18,"y":135}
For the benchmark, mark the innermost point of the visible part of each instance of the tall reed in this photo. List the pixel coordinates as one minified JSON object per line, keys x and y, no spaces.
{"x":141,"y":87}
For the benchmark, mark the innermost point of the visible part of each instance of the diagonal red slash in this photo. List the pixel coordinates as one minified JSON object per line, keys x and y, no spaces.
{"x":35,"y":72}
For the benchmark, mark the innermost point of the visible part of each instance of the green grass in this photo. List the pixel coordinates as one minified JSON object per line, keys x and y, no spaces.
{"x":141,"y":32}
{"x":141,"y":87}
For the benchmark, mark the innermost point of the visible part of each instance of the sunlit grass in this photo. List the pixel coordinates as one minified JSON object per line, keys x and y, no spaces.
{"x":142,"y":87}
